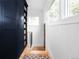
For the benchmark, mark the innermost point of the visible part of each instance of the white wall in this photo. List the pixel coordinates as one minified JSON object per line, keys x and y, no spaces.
{"x":62,"y":38}
{"x":37,"y":35}
{"x":36,"y":8}
{"x":38,"y":38}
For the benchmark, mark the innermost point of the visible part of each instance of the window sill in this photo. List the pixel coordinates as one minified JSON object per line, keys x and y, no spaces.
{"x":66,"y":21}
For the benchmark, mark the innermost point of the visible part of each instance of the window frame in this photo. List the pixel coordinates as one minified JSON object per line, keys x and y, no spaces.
{"x":64,"y":9}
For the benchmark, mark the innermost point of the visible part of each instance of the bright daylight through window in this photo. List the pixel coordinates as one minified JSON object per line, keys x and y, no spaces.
{"x":54,"y":10}
{"x":33,"y":20}
{"x":61,"y":9}
{"x":73,"y":7}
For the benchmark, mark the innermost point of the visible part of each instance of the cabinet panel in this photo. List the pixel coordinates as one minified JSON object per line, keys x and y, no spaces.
{"x":11,"y":28}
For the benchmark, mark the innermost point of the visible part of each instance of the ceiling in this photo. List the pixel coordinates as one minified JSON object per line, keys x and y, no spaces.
{"x":38,"y":4}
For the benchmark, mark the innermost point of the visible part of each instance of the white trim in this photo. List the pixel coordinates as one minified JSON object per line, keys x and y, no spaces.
{"x":66,"y":21}
{"x":63,"y":9}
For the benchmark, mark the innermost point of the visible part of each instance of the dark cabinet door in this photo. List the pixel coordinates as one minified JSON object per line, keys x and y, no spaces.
{"x":11,"y":28}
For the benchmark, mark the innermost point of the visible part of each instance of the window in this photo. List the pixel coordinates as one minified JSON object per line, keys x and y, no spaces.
{"x":73,"y":7}
{"x":53,"y":13}
{"x":33,"y":20}
{"x":54,"y":10}
{"x":61,"y":9}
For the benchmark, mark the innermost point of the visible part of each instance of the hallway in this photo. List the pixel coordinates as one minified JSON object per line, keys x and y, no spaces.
{"x":39,"y":29}
{"x":61,"y":18}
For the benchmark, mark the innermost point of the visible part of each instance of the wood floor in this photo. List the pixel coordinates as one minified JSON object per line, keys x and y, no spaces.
{"x":34,"y":54}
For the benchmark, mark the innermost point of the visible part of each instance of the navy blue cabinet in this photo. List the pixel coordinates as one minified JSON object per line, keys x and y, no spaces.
{"x":11,"y":28}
